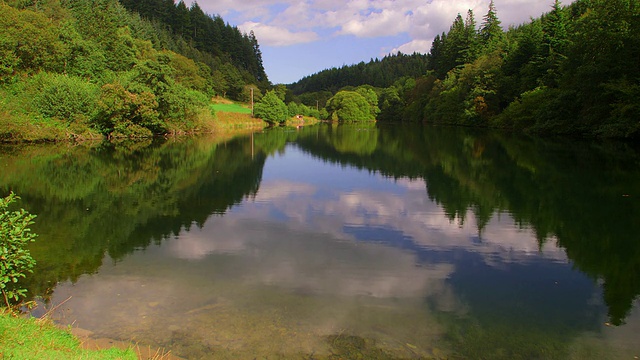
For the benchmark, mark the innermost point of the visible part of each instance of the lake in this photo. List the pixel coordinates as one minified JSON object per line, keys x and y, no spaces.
{"x":340,"y":242}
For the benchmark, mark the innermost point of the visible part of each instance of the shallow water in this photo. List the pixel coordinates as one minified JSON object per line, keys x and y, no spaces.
{"x":341,"y":242}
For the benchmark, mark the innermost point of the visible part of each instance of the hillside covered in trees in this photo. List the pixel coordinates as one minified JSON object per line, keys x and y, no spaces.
{"x":218,"y":41}
{"x":574,"y":71}
{"x":86,"y":68}
{"x":379,"y":73}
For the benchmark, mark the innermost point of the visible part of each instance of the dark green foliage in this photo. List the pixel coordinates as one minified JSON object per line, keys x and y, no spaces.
{"x":271,"y":108}
{"x":574,"y":71}
{"x":378,"y":73}
{"x":490,"y":31}
{"x":15,"y":258}
{"x":391,"y":105}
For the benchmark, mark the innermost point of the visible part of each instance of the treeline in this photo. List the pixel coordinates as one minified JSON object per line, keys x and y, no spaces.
{"x":573,"y":71}
{"x":379,"y":73}
{"x":88,"y":68}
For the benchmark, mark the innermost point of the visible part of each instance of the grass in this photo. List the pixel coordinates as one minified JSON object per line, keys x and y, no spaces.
{"x":231,"y":108}
{"x":22,"y":338}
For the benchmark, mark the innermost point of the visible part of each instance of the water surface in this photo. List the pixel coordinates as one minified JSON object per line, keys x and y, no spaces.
{"x":341,"y":242}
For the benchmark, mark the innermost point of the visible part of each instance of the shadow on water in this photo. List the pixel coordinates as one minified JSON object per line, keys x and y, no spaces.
{"x":107,"y":201}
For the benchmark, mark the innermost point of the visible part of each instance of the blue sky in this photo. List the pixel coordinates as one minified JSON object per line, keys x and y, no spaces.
{"x":302,"y":37}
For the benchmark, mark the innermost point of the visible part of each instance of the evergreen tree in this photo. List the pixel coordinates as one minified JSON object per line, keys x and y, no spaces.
{"x":456,"y":46}
{"x":554,"y":40}
{"x":491,"y":32}
{"x":554,"y":27}
{"x":470,"y":51}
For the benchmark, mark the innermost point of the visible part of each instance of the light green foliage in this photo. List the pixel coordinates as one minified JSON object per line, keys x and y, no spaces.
{"x":15,"y":258}
{"x":121,"y":51}
{"x":182,"y":106}
{"x":187,"y":72}
{"x":370,"y":95}
{"x":271,"y":108}
{"x":293,"y":109}
{"x":101,"y":67}
{"x":84,"y":58}
{"x":28,"y":41}
{"x":349,"y":106}
{"x":66,"y":97}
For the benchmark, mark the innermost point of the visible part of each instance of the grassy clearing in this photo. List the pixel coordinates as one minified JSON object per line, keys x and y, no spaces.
{"x":231,"y":108}
{"x":32,"y":338}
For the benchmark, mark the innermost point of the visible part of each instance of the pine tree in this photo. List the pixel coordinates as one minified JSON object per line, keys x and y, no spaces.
{"x":554,"y":27}
{"x":491,"y":32}
{"x":554,"y":43}
{"x":456,"y":45}
{"x":470,"y":51}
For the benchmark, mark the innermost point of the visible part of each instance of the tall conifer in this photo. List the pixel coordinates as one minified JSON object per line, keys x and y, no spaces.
{"x":491,"y":31}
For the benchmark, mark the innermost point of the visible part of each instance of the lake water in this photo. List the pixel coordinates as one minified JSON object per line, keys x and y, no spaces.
{"x":340,"y":242}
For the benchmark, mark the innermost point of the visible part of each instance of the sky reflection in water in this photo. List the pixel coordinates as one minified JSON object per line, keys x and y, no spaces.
{"x":323,"y":249}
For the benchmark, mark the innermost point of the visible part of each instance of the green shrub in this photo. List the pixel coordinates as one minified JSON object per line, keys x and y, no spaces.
{"x":271,"y":109}
{"x":119,"y":109}
{"x":349,"y":106}
{"x":66,"y":97}
{"x":182,"y":104}
{"x":15,"y":258}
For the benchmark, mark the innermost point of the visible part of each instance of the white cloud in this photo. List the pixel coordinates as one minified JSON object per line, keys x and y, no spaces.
{"x":277,"y":36}
{"x":336,"y":27}
{"x":278,"y":21}
{"x":384,"y":23}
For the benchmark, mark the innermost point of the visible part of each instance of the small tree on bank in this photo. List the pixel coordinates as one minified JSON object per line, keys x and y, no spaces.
{"x":271,"y":108}
{"x":350,"y":106}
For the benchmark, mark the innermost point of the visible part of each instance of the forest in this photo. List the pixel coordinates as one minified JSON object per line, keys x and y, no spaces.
{"x":94,"y":68}
{"x":573,"y":71}
{"x":87,"y":69}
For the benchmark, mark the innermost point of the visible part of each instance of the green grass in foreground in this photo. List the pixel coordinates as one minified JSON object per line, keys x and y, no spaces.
{"x":233,"y":108}
{"x":27,"y":339}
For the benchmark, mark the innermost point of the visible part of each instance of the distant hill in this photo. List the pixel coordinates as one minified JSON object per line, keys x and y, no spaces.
{"x":379,"y":73}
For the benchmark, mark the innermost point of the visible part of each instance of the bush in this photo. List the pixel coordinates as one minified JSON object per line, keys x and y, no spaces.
{"x":66,"y":97}
{"x":15,"y":259}
{"x":182,"y":105}
{"x":349,"y":106}
{"x":271,"y":109}
{"x":120,"y":108}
